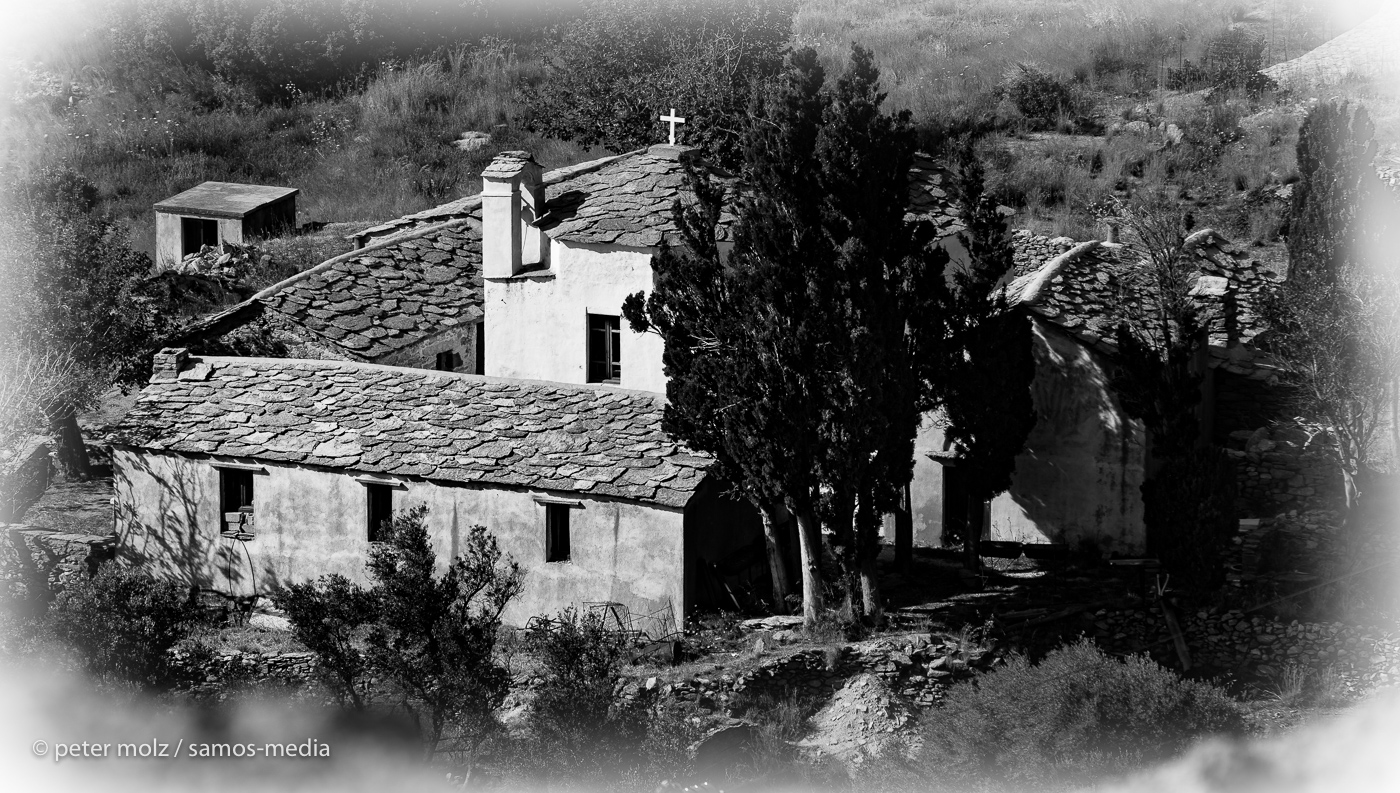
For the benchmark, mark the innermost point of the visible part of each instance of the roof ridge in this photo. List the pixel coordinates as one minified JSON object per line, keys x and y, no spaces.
{"x":347,"y":365}
{"x":1026,"y":290}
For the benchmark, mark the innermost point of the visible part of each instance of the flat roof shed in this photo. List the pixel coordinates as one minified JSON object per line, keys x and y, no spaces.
{"x":224,"y":199}
{"x":214,"y":213}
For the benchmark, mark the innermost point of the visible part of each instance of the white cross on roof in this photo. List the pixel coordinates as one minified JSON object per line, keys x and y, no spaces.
{"x":674,"y":120}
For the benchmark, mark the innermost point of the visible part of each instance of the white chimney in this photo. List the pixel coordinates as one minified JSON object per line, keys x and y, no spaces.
{"x":512,"y":198}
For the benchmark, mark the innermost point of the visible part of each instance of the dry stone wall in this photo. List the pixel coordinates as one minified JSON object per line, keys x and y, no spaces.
{"x":1278,"y":472}
{"x":37,"y":564}
{"x":23,"y":477}
{"x":1234,"y":640}
{"x":919,"y":667}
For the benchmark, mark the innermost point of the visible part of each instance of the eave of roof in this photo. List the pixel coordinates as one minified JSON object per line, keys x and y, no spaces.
{"x":438,"y":426}
{"x":224,"y":199}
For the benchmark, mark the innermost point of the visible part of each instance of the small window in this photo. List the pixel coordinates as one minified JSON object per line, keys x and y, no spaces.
{"x":448,"y":361}
{"x":379,"y":501}
{"x":197,"y":232}
{"x":604,"y":349}
{"x":481,"y":348}
{"x":556,"y":533}
{"x":236,"y":500}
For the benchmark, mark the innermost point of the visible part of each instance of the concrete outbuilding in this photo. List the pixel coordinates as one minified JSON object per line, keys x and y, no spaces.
{"x":213,"y":213}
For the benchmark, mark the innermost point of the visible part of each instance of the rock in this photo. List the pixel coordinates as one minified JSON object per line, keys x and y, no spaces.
{"x":1138,"y":128}
{"x":270,"y":622}
{"x":763,"y":642}
{"x":472,"y":141}
{"x":1174,"y":135}
{"x":776,"y":622}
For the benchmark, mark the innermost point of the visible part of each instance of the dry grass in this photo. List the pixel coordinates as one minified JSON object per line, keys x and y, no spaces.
{"x":370,"y":156}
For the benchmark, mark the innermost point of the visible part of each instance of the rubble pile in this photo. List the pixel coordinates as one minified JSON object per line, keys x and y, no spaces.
{"x":229,"y":264}
{"x":863,"y":720}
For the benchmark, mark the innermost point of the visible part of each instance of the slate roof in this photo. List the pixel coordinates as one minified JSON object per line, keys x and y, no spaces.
{"x":627,"y":201}
{"x":1083,"y":290}
{"x":439,"y":426}
{"x":467,"y":206}
{"x":375,"y":301}
{"x":223,"y":199}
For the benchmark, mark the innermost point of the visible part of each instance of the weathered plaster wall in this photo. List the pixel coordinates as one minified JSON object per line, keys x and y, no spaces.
{"x":536,"y":325}
{"x":312,"y":522}
{"x":1080,"y":475}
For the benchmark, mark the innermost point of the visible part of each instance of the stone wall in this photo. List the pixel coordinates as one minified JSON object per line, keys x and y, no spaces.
{"x":36,"y":564}
{"x":216,"y":673}
{"x":1275,"y":472}
{"x":919,"y":667}
{"x":23,"y":477}
{"x":1236,"y":640}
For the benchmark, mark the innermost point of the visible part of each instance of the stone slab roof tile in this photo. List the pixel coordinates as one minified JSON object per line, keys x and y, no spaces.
{"x":1086,"y":287}
{"x":434,"y":425}
{"x":370,"y":303}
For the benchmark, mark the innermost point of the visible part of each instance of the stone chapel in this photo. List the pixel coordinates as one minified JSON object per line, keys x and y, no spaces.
{"x":473,"y":357}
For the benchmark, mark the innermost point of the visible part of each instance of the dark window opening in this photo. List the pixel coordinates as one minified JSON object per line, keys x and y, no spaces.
{"x":604,"y":349}
{"x":556,"y":533}
{"x":235,"y":500}
{"x":448,"y":361}
{"x":380,"y":509}
{"x":196,"y":232}
{"x":960,"y":511}
{"x":481,"y":348}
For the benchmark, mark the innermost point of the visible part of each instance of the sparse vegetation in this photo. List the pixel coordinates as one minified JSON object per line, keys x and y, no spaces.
{"x":1069,"y":720}
{"x":121,"y":624}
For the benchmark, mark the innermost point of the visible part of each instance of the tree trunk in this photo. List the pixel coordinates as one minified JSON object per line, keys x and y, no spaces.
{"x":904,"y":533}
{"x":809,"y":534}
{"x":776,"y":568}
{"x":70,"y":453}
{"x":972,"y":534}
{"x":867,"y":542}
{"x":870,"y":590}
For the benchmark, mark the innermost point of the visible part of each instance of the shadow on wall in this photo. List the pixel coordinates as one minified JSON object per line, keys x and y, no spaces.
{"x":178,"y":545}
{"x":1079,"y":478}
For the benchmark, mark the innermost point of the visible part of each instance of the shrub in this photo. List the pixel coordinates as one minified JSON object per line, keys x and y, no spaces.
{"x":433,"y":642}
{"x":1042,"y":98}
{"x":1076,"y":716}
{"x":326,"y":615}
{"x":574,"y":710}
{"x":121,"y":624}
{"x":429,"y":640}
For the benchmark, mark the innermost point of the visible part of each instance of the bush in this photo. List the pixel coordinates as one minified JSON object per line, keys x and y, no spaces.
{"x":326,"y":615}
{"x":574,"y":711}
{"x":122,"y":624}
{"x":429,"y":640}
{"x":1042,"y":98}
{"x":1076,"y":716}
